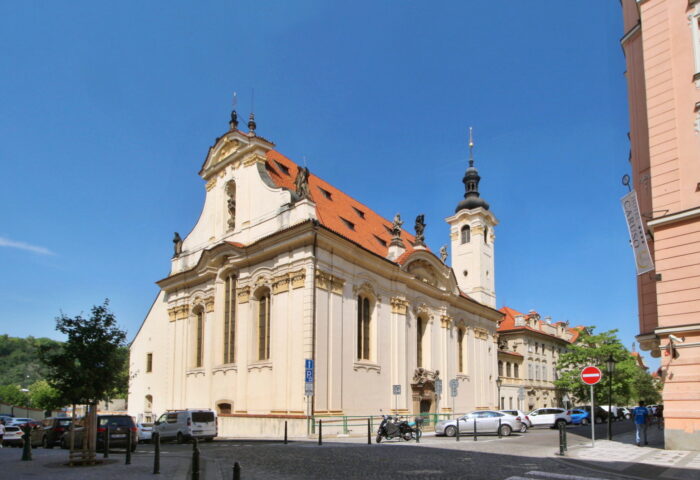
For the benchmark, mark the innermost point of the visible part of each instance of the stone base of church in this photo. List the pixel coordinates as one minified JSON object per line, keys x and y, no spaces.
{"x":262,"y":426}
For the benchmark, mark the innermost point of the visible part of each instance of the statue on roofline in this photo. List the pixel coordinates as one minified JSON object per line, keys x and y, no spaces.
{"x":301,"y":183}
{"x":177,"y":244}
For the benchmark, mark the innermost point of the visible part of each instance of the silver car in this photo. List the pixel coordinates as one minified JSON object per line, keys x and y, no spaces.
{"x":523,"y":418}
{"x":487,"y":421}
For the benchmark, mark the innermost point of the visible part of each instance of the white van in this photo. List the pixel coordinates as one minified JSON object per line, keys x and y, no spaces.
{"x":183,"y":425}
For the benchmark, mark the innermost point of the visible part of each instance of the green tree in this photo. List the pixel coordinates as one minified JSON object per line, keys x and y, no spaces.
{"x":19,"y":360}
{"x":645,"y":387}
{"x":595,"y":349}
{"x":44,"y":396}
{"x":12,"y":395}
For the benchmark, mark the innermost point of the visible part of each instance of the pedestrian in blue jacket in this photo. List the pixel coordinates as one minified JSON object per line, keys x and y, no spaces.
{"x":641,"y":418}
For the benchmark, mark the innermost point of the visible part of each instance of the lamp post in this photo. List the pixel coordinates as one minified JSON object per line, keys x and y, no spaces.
{"x":499,"y":382}
{"x":611,"y":371}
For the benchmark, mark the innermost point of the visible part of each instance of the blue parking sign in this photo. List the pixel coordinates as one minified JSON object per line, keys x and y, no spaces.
{"x":309,"y":363}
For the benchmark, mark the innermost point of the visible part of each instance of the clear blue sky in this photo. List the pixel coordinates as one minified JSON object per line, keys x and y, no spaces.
{"x":108,"y":111}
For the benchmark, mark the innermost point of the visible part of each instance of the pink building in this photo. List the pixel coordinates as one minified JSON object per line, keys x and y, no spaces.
{"x":662,"y":49}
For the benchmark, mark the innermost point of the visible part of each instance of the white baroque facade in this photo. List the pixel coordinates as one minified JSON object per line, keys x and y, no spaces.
{"x":282,"y":267}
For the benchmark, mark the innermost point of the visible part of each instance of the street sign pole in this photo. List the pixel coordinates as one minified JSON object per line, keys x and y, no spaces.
{"x":592,"y":418}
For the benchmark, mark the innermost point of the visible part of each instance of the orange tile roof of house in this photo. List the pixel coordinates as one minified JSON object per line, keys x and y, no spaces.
{"x":338,"y":211}
{"x":508,"y":324}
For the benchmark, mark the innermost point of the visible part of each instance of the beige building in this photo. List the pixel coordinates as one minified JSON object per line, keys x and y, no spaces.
{"x":528,"y":350}
{"x":661,"y":42}
{"x":281,"y":268}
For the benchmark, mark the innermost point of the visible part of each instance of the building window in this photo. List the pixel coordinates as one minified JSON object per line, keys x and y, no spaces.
{"x":486,"y":235}
{"x":529,"y":346}
{"x":224,"y":408}
{"x":460,"y":350}
{"x":230,"y":320}
{"x":500,"y":368}
{"x":695,"y":28}
{"x":264,"y":326}
{"x":554,"y":373}
{"x":363,"y":328}
{"x":149,"y":362}
{"x":420,"y":335}
{"x":466,"y":234}
{"x":537,"y":372}
{"x":529,"y":371}
{"x":508,"y":369}
{"x":516,"y":373}
{"x":199,"y":346}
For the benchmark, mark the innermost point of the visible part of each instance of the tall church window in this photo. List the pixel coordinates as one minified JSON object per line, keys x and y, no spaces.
{"x":516,"y":369}
{"x":500,"y":368}
{"x":508,"y":369}
{"x":420,"y":334}
{"x":230,"y":320}
{"x":149,"y":362}
{"x":363,"y":328}
{"x":199,"y":345}
{"x":486,"y":234}
{"x":466,"y":234}
{"x":460,"y":350}
{"x":264,"y":326}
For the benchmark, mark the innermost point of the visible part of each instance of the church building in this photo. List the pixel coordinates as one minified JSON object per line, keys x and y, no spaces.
{"x":283,"y":271}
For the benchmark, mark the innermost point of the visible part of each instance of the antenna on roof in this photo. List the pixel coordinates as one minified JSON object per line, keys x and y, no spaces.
{"x":471,"y":148}
{"x":304,"y":158}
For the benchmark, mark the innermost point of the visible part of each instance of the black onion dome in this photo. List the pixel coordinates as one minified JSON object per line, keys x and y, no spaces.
{"x":471,"y":185}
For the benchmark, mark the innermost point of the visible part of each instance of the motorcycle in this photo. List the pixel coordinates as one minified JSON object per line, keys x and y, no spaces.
{"x":393,"y":427}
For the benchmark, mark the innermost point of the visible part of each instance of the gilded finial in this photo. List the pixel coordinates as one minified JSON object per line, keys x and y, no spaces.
{"x":471,"y":148}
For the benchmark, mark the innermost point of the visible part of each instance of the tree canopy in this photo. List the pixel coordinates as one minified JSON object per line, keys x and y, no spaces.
{"x":630,"y":382}
{"x":89,"y":367}
{"x":19,"y":360}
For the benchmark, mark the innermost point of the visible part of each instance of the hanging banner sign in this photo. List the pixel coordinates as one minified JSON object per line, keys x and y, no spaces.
{"x":642,"y":256}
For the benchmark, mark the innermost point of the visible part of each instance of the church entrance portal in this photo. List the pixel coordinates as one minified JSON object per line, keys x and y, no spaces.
{"x":423,"y":391}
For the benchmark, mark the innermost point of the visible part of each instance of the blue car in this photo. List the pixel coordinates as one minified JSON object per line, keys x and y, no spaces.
{"x":580,"y":417}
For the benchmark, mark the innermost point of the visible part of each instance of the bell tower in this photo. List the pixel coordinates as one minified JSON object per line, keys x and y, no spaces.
{"x":472,"y":238}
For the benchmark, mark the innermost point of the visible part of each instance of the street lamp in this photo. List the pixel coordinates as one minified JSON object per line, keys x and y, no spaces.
{"x":499,"y":382}
{"x":611,"y":371}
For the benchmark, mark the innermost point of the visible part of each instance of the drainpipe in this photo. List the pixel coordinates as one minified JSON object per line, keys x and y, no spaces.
{"x":314,"y":223}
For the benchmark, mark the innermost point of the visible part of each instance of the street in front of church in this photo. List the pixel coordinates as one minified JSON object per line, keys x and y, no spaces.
{"x":532,"y":455}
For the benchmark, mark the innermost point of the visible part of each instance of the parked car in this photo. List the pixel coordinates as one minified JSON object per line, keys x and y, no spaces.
{"x":12,"y":437}
{"x":549,"y":417}
{"x":487,"y":421}
{"x":145,"y":431}
{"x":601,"y":415}
{"x":49,"y":432}
{"x":19,"y":421}
{"x":183,"y":425}
{"x":627,"y":412}
{"x":524,"y":419}
{"x":580,"y":417}
{"x":119,"y":426}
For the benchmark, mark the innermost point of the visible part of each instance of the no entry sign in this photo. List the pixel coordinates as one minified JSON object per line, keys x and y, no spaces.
{"x":591,"y":375}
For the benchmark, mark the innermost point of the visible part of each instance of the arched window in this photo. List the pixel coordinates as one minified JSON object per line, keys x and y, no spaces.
{"x":460,"y":350}
{"x":420,"y":334}
{"x":466,"y":234}
{"x":230,"y":320}
{"x":199,"y":338}
{"x":516,"y":369}
{"x":363,"y":328}
{"x":486,"y":234}
{"x":508,"y":369}
{"x":264,"y":325}
{"x":224,"y":408}
{"x":500,"y":368}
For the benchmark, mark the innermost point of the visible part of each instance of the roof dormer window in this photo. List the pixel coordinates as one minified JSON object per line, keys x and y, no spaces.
{"x":348,"y":223}
{"x":284,"y":169}
{"x":359,"y":212}
{"x":326,"y":193}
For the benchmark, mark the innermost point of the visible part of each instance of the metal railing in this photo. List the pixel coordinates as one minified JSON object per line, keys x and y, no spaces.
{"x":345,"y":424}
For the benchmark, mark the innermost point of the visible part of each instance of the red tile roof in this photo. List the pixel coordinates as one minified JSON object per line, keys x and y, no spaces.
{"x":338,"y":211}
{"x":508,"y":324}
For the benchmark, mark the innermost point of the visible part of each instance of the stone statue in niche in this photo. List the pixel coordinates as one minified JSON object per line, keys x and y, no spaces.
{"x":420,"y":228}
{"x":177,"y":244}
{"x":443,"y":253}
{"x":301,"y":183}
{"x":231,"y":204}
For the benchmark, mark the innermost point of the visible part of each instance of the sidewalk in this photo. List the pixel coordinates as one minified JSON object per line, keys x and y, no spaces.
{"x":622,"y":456}
{"x":53,"y":464}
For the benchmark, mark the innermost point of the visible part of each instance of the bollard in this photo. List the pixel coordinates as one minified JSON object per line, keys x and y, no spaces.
{"x":369,"y":432}
{"x":27,"y":446}
{"x":236,"y":471}
{"x":105,"y":444}
{"x":320,"y":432}
{"x":156,"y":458}
{"x":562,"y":446}
{"x":475,"y":429}
{"x":128,"y":448}
{"x":285,"y":432}
{"x":566,"y":445}
{"x":457,"y":436}
{"x":195,"y":459}
{"x":499,"y":427}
